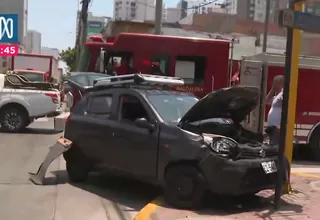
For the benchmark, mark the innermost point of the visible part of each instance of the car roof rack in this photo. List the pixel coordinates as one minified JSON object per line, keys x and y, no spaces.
{"x":138,"y":79}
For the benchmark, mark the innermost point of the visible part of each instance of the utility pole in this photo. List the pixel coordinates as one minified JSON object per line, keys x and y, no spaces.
{"x":266,"y":26}
{"x":158,"y":17}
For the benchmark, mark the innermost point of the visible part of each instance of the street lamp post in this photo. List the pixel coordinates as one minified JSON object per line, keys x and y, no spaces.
{"x":266,"y":25}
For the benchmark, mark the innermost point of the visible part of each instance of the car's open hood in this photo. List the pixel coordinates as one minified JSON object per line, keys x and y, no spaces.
{"x":234,"y":102}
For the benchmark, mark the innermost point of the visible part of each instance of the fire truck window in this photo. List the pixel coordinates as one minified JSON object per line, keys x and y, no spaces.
{"x":191,"y":68}
{"x":160,"y":65}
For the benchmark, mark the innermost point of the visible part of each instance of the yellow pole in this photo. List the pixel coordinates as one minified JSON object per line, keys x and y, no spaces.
{"x":292,"y":95}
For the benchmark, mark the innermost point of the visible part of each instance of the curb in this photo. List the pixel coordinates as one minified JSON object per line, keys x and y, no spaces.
{"x":146,"y":212}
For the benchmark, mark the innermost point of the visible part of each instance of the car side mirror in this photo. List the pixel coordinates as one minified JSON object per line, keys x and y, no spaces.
{"x":143,"y":123}
{"x":69,"y":100}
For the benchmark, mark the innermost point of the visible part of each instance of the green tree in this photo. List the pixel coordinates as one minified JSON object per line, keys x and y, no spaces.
{"x":69,"y":56}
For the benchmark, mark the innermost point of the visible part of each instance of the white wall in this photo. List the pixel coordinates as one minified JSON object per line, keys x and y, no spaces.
{"x":187,"y":20}
{"x":173,"y":15}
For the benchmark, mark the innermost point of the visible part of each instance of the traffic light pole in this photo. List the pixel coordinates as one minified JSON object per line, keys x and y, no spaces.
{"x":288,"y":107}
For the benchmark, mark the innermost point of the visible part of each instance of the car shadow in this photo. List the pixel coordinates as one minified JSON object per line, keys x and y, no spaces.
{"x":131,"y":194}
{"x":135,"y":194}
{"x":44,"y":131}
{"x":259,"y":206}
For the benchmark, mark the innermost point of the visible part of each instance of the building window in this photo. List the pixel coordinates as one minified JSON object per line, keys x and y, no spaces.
{"x":133,"y":4}
{"x":191,"y":68}
{"x":309,"y":10}
{"x":4,"y":64}
{"x":160,"y":64}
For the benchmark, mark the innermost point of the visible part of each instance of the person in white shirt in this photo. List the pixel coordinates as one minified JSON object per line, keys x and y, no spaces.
{"x":275,"y":99}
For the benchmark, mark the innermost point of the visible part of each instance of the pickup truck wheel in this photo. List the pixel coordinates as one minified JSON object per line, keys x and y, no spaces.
{"x":76,"y":165}
{"x":314,"y":144}
{"x":185,"y":187}
{"x":13,"y":119}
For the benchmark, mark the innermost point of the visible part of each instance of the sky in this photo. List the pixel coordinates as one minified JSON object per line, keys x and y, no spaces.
{"x":56,"y":19}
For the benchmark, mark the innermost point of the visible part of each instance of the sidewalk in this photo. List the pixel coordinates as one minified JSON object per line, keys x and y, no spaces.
{"x":300,"y":204}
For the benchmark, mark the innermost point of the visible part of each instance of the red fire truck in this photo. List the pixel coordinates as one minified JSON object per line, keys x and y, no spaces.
{"x":202,"y":63}
{"x":307,"y":121}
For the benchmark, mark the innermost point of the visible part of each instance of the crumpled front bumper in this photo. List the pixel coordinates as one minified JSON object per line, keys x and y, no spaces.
{"x":229,"y":177}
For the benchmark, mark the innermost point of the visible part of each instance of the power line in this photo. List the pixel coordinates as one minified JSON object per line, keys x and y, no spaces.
{"x":194,"y":7}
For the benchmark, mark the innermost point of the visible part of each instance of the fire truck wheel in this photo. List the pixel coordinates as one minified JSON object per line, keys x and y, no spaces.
{"x":315,"y":144}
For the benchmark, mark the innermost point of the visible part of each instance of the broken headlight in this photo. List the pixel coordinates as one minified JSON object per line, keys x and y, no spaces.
{"x":224,"y":146}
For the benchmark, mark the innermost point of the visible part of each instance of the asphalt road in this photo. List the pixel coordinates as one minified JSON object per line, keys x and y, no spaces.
{"x":101,"y":198}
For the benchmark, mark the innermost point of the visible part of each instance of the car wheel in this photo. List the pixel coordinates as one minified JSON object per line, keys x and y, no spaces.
{"x":29,"y":121}
{"x":13,"y":119}
{"x":185,"y":187}
{"x":76,"y":165}
{"x":314,"y":144}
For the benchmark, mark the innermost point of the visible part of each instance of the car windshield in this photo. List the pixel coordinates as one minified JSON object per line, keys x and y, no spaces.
{"x":33,"y":77}
{"x":172,"y":107}
{"x":86,"y":79}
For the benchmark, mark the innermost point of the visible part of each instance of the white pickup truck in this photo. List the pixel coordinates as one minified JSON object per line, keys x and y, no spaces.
{"x":19,"y":106}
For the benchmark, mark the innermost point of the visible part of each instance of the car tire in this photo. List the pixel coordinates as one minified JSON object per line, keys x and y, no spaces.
{"x":13,"y":119}
{"x":314,"y":144}
{"x":185,"y":187}
{"x":76,"y":165}
{"x":29,"y":121}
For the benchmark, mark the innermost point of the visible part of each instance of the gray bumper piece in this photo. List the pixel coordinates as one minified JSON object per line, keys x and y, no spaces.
{"x":61,"y":146}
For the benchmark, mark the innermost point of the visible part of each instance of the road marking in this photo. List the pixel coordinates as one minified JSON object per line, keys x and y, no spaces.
{"x":306,"y":175}
{"x":148,"y":209}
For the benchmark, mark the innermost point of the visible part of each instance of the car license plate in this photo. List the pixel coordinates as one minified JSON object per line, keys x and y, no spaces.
{"x":269,"y":167}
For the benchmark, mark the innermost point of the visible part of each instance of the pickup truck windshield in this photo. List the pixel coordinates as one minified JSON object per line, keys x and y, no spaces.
{"x":172,"y":107}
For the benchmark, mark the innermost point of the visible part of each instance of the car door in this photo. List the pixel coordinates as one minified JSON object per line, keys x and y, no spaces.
{"x":137,"y":146}
{"x":96,"y":125}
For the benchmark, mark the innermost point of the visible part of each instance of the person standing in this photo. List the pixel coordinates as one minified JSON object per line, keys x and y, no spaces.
{"x":275,"y":99}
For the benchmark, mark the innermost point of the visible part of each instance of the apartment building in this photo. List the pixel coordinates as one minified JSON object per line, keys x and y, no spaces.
{"x":254,"y":10}
{"x":313,"y":8}
{"x":183,"y":6}
{"x":133,"y":10}
{"x":199,"y":6}
{"x":95,"y":23}
{"x":51,"y":52}
{"x":19,"y":7}
{"x":33,"y":42}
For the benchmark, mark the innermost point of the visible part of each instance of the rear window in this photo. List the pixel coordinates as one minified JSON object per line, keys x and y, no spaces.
{"x":100,"y":105}
{"x":33,"y":77}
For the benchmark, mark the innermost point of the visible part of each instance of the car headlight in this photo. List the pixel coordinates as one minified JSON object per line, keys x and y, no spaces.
{"x":224,"y":146}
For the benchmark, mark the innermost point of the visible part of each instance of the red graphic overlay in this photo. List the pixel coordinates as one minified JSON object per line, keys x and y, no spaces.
{"x":8,"y":50}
